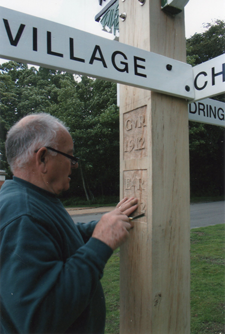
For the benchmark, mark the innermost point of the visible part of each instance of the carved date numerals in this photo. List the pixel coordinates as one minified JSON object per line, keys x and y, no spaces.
{"x":135,"y":184}
{"x":135,"y":144}
{"x":134,"y":133}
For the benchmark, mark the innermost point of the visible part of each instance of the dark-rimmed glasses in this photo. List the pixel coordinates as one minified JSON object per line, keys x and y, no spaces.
{"x":74,"y":160}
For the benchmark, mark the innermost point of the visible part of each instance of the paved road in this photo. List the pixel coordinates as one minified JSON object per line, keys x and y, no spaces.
{"x":203,"y":214}
{"x":87,"y":217}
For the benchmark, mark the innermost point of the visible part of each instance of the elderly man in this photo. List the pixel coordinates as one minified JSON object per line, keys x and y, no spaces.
{"x":50,"y":267}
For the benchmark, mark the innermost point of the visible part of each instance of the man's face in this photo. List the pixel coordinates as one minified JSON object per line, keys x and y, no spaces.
{"x":59,"y":166}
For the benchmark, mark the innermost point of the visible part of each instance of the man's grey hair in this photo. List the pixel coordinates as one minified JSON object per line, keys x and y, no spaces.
{"x":30,"y":134}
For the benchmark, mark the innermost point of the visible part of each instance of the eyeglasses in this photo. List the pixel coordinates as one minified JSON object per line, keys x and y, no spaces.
{"x":74,"y":160}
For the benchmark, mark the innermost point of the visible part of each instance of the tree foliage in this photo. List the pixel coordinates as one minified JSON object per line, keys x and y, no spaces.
{"x":208,"y":45}
{"x":207,"y":141}
{"x":87,"y":106}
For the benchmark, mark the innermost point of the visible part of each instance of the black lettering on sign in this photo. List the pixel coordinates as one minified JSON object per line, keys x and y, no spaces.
{"x":216,"y":74}
{"x":201,"y":107}
{"x":220,"y":113}
{"x":49,"y":46}
{"x":72,"y":54}
{"x":205,"y":110}
{"x":195,"y":108}
{"x":123,"y":69}
{"x":136,"y":66}
{"x":196,"y":78}
{"x":35,"y":48}
{"x":101,"y":58}
{"x":212,"y":111}
{"x":15,"y":41}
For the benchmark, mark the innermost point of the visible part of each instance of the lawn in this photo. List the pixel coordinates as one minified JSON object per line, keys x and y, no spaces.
{"x":207,"y":283}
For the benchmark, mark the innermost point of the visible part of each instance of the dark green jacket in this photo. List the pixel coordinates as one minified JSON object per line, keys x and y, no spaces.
{"x":50,"y":267}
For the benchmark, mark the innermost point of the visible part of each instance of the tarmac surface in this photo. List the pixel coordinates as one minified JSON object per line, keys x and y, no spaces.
{"x":205,"y":214}
{"x":201,"y":214}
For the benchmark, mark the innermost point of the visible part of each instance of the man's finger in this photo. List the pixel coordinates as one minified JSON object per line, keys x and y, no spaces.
{"x":128,"y":226}
{"x":129,"y":203}
{"x":121,"y":202}
{"x":128,"y":211}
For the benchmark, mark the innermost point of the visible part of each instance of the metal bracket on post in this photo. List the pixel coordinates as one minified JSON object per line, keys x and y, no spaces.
{"x":123,"y":16}
{"x":173,"y":7}
{"x":142,"y":2}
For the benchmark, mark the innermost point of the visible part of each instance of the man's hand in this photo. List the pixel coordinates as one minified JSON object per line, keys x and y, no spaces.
{"x":113,"y":228}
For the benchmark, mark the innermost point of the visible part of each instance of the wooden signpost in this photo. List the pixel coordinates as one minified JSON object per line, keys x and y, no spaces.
{"x":154,"y":149}
{"x":154,"y":155}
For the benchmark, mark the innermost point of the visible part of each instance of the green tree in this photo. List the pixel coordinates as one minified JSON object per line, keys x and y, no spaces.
{"x":90,"y":111}
{"x":87,"y":106}
{"x":23,"y":91}
{"x":207,"y":141}
{"x":208,"y":45}
{"x":9,"y":99}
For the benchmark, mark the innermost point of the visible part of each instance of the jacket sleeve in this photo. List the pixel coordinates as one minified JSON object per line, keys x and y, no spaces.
{"x":40,"y":292}
{"x":86,"y":229}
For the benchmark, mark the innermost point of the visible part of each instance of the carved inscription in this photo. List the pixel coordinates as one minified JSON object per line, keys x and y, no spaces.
{"x":134,"y":133}
{"x":135,"y":185}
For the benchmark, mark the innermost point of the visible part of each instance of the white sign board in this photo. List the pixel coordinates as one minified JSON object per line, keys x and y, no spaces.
{"x":207,"y":111}
{"x":41,"y":42}
{"x":209,"y":78}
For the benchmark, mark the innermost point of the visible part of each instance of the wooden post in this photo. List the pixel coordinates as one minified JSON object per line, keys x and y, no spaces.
{"x":154,"y":154}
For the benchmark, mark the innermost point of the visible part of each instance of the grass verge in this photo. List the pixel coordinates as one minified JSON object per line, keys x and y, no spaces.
{"x":207,"y":283}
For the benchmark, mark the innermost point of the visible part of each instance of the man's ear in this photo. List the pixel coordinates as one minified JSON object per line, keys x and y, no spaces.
{"x":41,"y":159}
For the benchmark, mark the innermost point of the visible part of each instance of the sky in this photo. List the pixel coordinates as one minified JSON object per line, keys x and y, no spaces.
{"x":80,"y":13}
